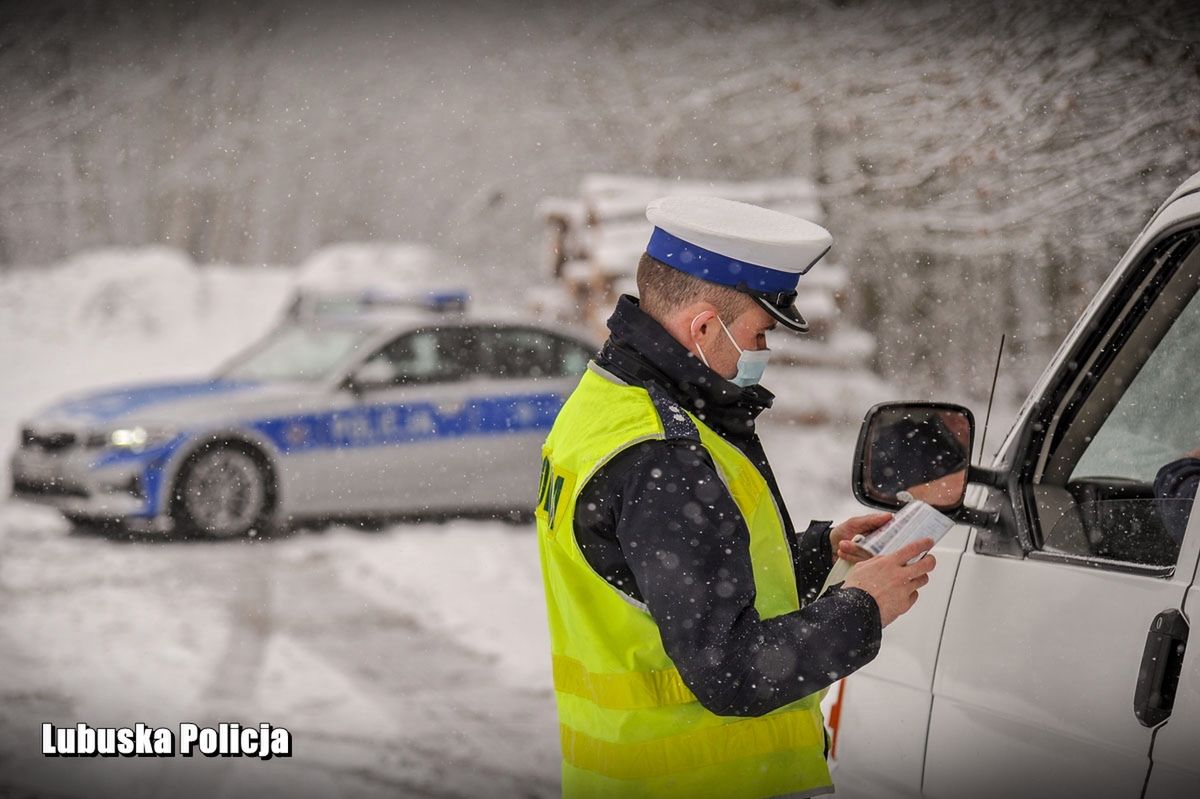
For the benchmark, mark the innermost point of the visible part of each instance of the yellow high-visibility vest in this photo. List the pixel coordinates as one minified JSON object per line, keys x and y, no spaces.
{"x":629,"y":725}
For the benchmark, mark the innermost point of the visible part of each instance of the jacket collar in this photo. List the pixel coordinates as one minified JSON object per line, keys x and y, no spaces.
{"x":640,"y":350}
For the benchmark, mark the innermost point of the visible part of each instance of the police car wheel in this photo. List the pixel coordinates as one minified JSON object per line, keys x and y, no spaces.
{"x":222,"y":493}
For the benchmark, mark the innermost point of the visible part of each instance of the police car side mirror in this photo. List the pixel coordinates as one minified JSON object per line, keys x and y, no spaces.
{"x":375,"y":373}
{"x":921,"y":449}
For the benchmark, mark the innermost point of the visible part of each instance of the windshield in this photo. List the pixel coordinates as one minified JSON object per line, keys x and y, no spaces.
{"x":296,"y":352}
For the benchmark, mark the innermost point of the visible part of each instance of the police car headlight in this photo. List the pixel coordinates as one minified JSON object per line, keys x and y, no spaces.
{"x":139,"y":438}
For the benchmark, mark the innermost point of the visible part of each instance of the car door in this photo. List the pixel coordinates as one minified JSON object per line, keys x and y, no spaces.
{"x":1175,"y":770}
{"x":1043,"y":643}
{"x":402,"y":437}
{"x":527,"y":374}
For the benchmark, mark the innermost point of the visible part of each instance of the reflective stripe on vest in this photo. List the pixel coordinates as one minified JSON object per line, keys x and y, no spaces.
{"x":690,"y":751}
{"x":629,"y":725}
{"x":622,"y":691}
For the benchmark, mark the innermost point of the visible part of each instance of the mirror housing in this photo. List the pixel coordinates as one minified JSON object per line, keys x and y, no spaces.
{"x":373,"y":374}
{"x":353,"y":385}
{"x":923,"y":448}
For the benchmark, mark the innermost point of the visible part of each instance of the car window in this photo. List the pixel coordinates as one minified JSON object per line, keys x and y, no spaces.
{"x":1122,"y":480}
{"x":1157,"y":417}
{"x":296,"y":352}
{"x":436,"y":355}
{"x":575,"y":357}
{"x":523,"y":353}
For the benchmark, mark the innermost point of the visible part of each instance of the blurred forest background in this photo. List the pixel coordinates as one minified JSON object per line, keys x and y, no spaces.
{"x":983,"y":165}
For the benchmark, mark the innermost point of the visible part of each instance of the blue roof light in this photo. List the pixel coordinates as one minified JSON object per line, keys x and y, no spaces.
{"x":436,"y":300}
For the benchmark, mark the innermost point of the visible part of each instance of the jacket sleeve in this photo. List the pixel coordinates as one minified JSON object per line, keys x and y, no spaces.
{"x":1174,"y":492}
{"x":813,"y":555}
{"x":688,"y":548}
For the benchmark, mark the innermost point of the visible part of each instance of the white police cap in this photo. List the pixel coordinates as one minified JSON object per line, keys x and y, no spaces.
{"x":755,"y":250}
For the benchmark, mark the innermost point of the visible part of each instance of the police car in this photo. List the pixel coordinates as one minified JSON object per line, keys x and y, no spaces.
{"x":1048,"y":656}
{"x":380,"y":409}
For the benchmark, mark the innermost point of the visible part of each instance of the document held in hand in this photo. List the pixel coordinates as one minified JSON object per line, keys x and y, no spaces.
{"x":914,"y":521}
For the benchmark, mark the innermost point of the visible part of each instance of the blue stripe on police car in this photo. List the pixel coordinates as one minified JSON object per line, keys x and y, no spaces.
{"x":404,"y":423}
{"x":366,"y":426}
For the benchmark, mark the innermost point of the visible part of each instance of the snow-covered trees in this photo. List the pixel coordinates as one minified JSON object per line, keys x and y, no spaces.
{"x":983,"y":165}
{"x":988,"y":156}
{"x":990,"y":167}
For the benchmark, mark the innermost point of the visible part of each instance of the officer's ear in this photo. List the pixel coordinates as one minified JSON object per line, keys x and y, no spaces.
{"x":691,"y":323}
{"x":702,"y":317}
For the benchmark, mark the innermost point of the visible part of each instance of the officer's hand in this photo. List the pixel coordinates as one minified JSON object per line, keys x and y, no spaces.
{"x":841,"y":537}
{"x":894,"y":585}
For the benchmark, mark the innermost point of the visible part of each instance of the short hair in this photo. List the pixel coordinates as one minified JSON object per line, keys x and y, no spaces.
{"x":662,"y":289}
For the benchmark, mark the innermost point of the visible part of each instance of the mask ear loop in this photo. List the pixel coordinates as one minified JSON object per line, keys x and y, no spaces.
{"x":727,"y":334}
{"x":731,"y":338}
{"x":697,"y":343}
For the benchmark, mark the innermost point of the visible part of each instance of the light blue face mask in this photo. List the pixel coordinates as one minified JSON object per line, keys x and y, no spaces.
{"x":751,"y":363}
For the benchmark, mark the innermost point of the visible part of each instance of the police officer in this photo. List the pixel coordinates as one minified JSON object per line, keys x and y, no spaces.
{"x":689,"y":649}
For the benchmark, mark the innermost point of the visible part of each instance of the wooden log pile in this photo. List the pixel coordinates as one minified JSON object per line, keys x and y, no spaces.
{"x":592,"y":248}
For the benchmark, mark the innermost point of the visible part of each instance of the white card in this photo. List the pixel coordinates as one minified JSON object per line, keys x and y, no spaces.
{"x":914,"y":521}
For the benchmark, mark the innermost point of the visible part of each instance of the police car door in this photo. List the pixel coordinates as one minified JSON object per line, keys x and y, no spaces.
{"x":406,"y":433}
{"x":1063,"y":624}
{"x":528,"y":373}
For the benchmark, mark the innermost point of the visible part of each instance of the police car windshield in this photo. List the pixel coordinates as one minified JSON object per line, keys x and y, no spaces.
{"x":297,"y":352}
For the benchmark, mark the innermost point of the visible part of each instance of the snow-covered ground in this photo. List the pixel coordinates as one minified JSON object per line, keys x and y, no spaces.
{"x":409,"y":661}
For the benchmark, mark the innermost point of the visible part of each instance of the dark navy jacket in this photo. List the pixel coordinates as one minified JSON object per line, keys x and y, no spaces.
{"x":658,"y":523}
{"x":1175,"y":491}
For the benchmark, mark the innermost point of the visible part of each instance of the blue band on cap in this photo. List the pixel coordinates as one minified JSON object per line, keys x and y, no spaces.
{"x":708,"y":265}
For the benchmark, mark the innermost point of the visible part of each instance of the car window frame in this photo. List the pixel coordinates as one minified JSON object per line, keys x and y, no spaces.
{"x":415,"y":331}
{"x":1065,"y":397}
{"x":559,"y":340}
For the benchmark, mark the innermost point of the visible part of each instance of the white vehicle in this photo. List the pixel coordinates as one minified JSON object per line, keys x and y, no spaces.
{"x":384,"y":409}
{"x":1048,"y":655}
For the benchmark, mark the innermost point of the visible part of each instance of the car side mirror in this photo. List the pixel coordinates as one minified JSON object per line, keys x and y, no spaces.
{"x":914,"y":450}
{"x":375,"y":373}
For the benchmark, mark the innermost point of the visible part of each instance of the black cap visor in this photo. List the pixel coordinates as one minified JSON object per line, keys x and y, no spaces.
{"x":782,"y":306}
